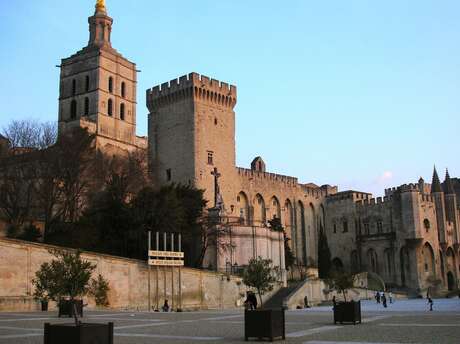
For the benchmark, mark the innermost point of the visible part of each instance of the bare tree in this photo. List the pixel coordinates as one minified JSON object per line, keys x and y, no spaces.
{"x":30,"y":134}
{"x":62,"y":177}
{"x":16,"y":190}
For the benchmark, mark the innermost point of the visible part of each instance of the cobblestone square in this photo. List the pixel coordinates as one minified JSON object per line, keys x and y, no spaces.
{"x":406,"y":321}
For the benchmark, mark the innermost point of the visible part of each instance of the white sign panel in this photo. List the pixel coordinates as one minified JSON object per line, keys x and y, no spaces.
{"x":166,"y":254}
{"x":166,"y":262}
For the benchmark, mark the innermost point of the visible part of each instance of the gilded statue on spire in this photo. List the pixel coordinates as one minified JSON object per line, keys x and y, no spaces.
{"x":100,"y":5}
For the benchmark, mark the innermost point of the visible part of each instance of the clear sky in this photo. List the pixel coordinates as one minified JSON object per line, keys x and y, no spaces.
{"x":359,"y":94}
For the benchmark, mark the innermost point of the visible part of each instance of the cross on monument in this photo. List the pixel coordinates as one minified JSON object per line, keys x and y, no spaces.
{"x":216,"y":175}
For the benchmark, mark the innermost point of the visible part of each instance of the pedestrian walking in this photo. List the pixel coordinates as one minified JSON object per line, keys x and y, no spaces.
{"x":390,"y":297}
{"x":377,"y":296}
{"x":305,"y":302}
{"x":334,"y":302}
{"x":384,"y":300}
{"x":165,"y":307}
{"x":430,"y":302}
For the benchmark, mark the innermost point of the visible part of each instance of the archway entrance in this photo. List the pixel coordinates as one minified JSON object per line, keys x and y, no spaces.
{"x":450,"y":281}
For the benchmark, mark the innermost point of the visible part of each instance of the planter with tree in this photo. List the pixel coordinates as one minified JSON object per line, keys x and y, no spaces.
{"x":262,"y":323}
{"x":345,"y":311}
{"x":68,"y":276}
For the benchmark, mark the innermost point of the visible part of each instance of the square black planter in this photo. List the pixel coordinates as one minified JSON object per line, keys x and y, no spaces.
{"x":264,"y":323}
{"x":347,"y":312}
{"x":66,"y":307}
{"x":78,"y":334}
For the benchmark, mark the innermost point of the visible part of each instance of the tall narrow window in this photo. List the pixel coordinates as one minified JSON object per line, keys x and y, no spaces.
{"x":74,"y":87}
{"x":110,"y":107}
{"x":87,"y":83}
{"x":110,"y":84}
{"x":86,"y":106}
{"x":123,"y":89}
{"x":168,"y":174}
{"x":379,"y":226}
{"x":122,"y":112}
{"x":345,"y":226}
{"x":73,"y":109}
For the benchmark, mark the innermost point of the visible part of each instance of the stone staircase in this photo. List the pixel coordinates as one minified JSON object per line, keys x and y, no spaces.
{"x":276,"y":301}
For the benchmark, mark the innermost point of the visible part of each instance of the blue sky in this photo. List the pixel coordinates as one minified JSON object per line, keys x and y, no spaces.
{"x":359,"y":94}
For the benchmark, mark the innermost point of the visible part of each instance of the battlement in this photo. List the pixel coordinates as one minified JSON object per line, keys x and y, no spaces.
{"x":375,"y":202}
{"x":347,"y":196}
{"x":409,"y":188}
{"x":193,"y":85}
{"x":267,"y":176}
{"x":314,"y":191}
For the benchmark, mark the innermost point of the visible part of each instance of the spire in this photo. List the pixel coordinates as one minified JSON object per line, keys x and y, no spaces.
{"x":100,"y":26}
{"x":435,"y":184}
{"x":100,"y":7}
{"x":448,"y":187}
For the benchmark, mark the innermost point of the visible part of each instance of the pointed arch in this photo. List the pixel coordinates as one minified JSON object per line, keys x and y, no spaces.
{"x":372,"y":261}
{"x":451,"y":269}
{"x":243,"y":208}
{"x":389,"y":264}
{"x":301,"y":235}
{"x":404,"y":261}
{"x":428,"y":260}
{"x":354,"y":262}
{"x":275,"y":208}
{"x":259,"y":211}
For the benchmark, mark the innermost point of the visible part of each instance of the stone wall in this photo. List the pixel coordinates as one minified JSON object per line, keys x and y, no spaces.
{"x":128,"y":280}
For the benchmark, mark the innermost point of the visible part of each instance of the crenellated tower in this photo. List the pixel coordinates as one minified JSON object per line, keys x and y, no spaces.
{"x":192,"y":132}
{"x":98,"y":88}
{"x":438,"y":197}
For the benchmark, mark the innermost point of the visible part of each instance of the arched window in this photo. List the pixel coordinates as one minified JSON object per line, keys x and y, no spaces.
{"x":110,"y":84}
{"x":110,"y":107}
{"x":87,"y":83}
{"x":426,"y":224}
{"x":73,"y":109}
{"x":122,"y":112}
{"x":86,"y":106}
{"x":123,"y":89}
{"x":74,"y":87}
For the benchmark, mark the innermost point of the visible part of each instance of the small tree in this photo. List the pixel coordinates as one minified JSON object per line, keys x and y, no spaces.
{"x":259,"y":274}
{"x":98,"y":289}
{"x":66,"y":276}
{"x":341,"y":282}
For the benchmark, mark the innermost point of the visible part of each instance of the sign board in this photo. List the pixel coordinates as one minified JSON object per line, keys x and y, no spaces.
{"x":166,"y":254}
{"x":166,"y":262}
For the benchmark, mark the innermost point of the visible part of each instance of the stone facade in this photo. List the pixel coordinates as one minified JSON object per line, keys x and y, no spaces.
{"x":128,"y":281}
{"x":410,"y":237}
{"x":192,"y":137}
{"x":98,"y":90}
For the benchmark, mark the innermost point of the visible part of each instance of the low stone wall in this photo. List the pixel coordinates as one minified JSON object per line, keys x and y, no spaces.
{"x":128,"y":281}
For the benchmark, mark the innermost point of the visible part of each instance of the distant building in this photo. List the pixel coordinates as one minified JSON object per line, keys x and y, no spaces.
{"x":410,"y":237}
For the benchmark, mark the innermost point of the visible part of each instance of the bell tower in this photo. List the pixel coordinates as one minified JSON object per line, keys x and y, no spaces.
{"x":98,"y":88}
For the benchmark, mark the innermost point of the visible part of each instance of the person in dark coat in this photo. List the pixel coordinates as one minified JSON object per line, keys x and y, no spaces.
{"x":430,"y":302}
{"x":253,"y":300}
{"x":165,"y":307}
{"x":384,"y":300}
